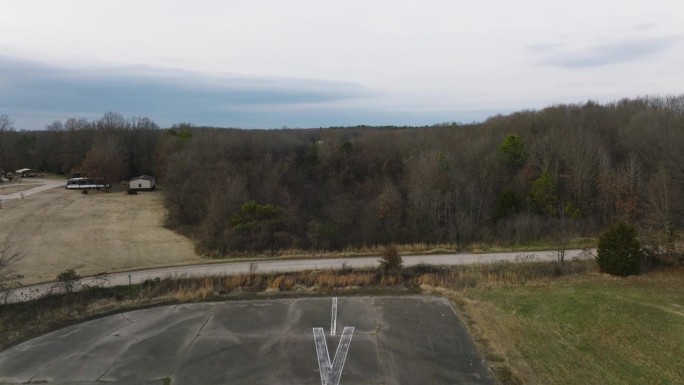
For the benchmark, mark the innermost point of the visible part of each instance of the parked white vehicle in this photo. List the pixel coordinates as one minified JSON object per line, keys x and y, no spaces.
{"x":87,"y":184}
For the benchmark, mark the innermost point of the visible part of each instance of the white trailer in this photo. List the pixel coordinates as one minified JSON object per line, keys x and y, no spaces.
{"x":88,"y":184}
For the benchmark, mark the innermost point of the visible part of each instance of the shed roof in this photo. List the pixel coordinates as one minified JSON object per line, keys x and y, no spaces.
{"x":23,"y":170}
{"x":145,"y":177}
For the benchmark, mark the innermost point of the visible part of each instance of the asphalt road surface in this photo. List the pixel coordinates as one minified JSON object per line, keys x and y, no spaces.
{"x":234,"y":268}
{"x":328,"y":341}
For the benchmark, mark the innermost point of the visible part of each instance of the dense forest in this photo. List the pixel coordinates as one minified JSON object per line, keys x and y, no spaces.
{"x":554,"y":174}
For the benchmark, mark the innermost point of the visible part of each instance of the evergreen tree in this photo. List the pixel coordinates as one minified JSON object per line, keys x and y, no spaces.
{"x":619,"y":251}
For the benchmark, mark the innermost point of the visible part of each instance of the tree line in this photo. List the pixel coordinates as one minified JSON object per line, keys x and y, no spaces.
{"x":553,"y":174}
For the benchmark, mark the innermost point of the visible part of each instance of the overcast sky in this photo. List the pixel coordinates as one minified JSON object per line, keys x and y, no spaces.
{"x":318,"y":63}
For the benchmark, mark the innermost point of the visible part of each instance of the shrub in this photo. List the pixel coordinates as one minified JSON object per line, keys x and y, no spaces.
{"x":424,"y":268}
{"x":68,"y":280}
{"x":619,"y":251}
{"x":391,"y":260}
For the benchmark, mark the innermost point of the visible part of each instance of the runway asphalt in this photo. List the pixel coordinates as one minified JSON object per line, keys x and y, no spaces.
{"x":346,"y":340}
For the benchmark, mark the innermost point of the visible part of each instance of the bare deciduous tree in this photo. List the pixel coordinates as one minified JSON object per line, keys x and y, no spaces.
{"x":9,"y":255}
{"x":5,"y":126}
{"x":108,"y":159}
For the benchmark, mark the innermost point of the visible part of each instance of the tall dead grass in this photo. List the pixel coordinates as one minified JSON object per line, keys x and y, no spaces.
{"x":456,"y":277}
{"x":359,"y":251}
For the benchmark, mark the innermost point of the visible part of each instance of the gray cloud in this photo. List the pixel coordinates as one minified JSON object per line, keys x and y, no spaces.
{"x":543,"y":48}
{"x":645,"y":26}
{"x":32,"y":88}
{"x":608,"y":53}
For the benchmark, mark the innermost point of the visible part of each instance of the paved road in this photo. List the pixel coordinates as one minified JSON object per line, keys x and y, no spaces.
{"x":350,"y":340}
{"x":235,"y":268}
{"x":42,"y":185}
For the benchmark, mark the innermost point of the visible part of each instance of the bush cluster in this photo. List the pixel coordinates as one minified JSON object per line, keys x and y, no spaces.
{"x":619,"y":251}
{"x":391,"y":261}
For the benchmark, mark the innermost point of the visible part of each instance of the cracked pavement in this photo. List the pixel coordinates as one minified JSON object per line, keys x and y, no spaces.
{"x":396,"y":340}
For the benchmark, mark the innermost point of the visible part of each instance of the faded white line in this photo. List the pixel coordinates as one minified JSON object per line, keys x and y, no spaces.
{"x":331,"y":372}
{"x":333,"y":319}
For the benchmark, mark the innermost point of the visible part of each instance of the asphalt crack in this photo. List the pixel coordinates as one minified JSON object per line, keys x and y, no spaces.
{"x":189,"y":346}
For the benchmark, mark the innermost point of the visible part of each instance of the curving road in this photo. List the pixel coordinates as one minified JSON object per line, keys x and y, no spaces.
{"x":43,"y":185}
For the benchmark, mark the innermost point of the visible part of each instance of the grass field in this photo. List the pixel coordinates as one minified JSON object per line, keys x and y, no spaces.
{"x":585,"y":330}
{"x":61,"y":229}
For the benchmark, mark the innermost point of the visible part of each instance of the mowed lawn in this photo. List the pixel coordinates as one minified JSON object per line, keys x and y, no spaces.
{"x":600,"y":330}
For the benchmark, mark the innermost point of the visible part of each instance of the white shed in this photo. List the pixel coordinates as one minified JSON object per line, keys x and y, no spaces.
{"x":143,"y":182}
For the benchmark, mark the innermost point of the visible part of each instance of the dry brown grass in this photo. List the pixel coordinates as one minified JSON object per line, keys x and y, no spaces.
{"x":456,"y":278}
{"x":494,"y":340}
{"x":61,"y":229}
{"x":364,"y":251}
{"x":11,"y":187}
{"x":575,"y":243}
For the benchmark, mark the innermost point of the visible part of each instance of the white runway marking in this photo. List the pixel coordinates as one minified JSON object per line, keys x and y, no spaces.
{"x":333,"y":320}
{"x":332,"y":372}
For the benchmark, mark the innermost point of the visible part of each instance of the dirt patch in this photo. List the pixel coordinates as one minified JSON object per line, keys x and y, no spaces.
{"x":61,"y":229}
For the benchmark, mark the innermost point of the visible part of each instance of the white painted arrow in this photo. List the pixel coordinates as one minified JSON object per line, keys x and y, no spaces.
{"x":332,"y":372}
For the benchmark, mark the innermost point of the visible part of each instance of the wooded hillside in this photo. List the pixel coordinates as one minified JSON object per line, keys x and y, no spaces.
{"x":554,"y":174}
